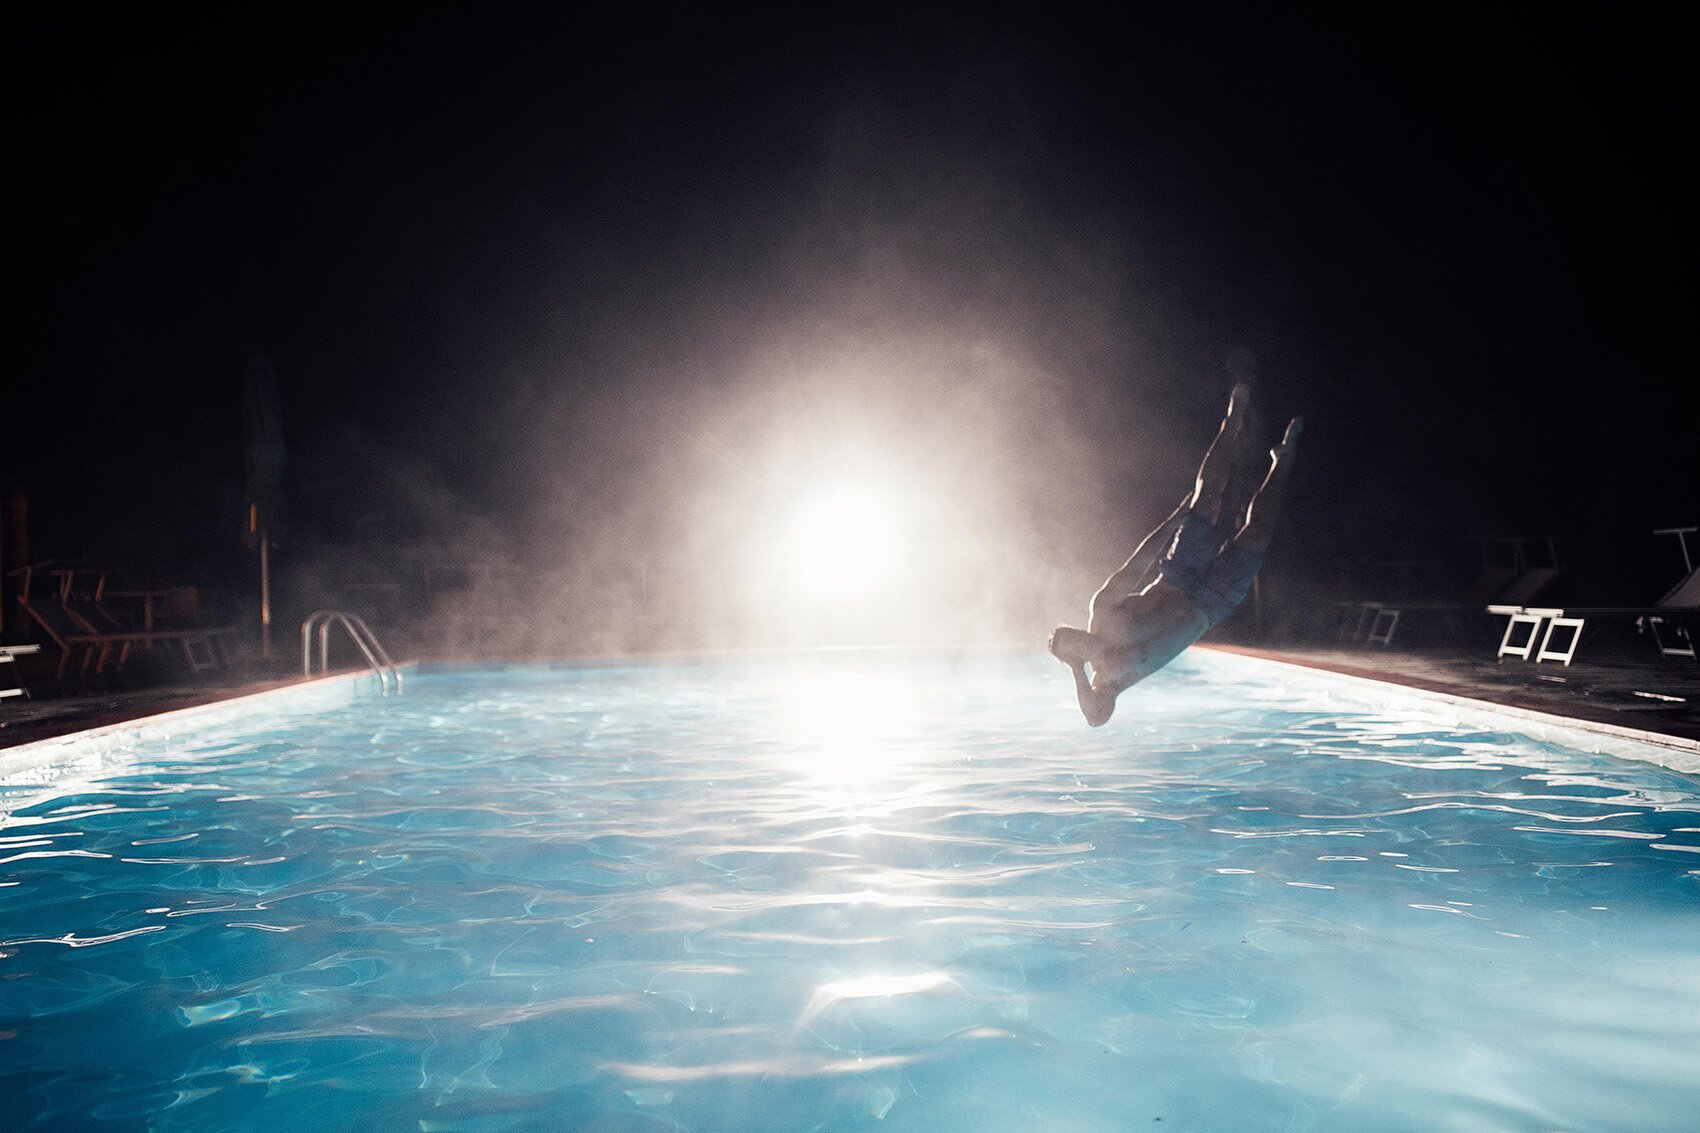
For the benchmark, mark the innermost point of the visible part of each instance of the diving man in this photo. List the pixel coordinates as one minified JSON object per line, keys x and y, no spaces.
{"x":1189,"y":574}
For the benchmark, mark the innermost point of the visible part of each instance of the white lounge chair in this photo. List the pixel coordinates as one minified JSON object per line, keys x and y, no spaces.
{"x":9,"y":655}
{"x":1673,"y":621}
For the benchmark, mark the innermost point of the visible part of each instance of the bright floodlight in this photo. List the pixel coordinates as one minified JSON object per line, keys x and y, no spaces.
{"x":844,"y":541}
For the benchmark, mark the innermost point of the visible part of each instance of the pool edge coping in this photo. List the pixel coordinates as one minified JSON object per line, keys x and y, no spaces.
{"x":1675,"y":753}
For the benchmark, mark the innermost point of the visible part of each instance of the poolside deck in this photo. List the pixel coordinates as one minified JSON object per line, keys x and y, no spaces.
{"x":44,"y":718}
{"x":1653,"y":695}
{"x":1661,"y":696}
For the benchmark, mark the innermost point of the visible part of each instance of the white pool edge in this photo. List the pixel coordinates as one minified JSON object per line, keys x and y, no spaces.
{"x":1671,"y":752}
{"x":1592,"y":736}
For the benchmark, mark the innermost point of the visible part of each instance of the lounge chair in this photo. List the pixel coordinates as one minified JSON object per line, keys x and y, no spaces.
{"x":70,"y":623}
{"x":9,"y":655}
{"x":1511,"y":583}
{"x":1673,"y":621}
{"x":1489,"y":586}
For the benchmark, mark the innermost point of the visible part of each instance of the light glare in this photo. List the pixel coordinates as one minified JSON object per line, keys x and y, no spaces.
{"x":844,"y":542}
{"x":848,"y":730}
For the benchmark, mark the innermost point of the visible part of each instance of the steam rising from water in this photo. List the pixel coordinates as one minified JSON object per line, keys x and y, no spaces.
{"x":666,"y":515}
{"x":923,"y":307}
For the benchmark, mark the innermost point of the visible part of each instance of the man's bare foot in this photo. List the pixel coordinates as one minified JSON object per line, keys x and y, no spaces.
{"x":1239,"y":400}
{"x":1071,"y":646}
{"x":1239,"y":411}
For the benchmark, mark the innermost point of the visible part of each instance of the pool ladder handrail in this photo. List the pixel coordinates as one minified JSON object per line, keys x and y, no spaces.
{"x":382,"y":666}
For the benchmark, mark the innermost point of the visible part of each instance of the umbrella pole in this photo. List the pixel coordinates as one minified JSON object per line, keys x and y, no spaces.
{"x":265,"y":600}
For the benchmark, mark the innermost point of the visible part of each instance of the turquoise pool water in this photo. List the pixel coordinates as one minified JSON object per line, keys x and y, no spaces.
{"x":852,"y":892}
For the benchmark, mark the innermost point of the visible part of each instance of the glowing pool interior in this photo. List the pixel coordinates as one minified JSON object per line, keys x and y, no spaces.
{"x":852,"y":892}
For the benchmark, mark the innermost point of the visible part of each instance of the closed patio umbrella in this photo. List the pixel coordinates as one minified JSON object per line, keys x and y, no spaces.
{"x":262,"y":458}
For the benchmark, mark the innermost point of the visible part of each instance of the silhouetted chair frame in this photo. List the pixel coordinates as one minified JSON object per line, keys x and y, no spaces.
{"x":71,"y":630}
{"x":1509,"y":584}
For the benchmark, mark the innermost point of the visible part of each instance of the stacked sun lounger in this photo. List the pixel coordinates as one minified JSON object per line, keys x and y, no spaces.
{"x":1553,"y":633}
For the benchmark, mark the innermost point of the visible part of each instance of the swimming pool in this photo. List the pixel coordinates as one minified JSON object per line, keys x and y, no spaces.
{"x":865,"y":891}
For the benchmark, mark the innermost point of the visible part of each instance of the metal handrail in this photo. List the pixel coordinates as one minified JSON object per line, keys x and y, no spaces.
{"x":363,"y":637}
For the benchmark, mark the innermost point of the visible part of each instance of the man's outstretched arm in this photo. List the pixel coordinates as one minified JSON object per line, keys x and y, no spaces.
{"x":1215,"y":473}
{"x":1136,"y":574}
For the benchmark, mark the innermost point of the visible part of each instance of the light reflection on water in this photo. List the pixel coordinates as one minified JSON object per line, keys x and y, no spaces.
{"x":851,"y":892}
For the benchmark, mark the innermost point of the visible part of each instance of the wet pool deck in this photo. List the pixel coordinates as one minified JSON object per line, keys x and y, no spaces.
{"x":1656,"y":696}
{"x":1660,"y":696}
{"x":24,"y":721}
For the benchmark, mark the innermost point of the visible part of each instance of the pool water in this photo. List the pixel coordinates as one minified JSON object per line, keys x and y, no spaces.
{"x":840,"y":892}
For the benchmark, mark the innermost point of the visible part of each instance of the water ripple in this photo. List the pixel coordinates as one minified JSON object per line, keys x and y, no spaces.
{"x":822,"y":892}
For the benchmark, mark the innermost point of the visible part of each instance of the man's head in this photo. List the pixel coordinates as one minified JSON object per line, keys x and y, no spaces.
{"x":1098,"y":707}
{"x":1116,"y":668}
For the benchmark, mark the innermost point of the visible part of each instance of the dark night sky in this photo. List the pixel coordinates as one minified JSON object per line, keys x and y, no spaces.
{"x":1459,"y":242}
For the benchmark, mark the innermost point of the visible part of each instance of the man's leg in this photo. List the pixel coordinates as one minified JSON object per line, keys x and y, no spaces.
{"x":1265,"y":507}
{"x":1217,"y":470}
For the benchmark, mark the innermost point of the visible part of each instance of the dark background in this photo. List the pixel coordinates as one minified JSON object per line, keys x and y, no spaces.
{"x":513,"y":271}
